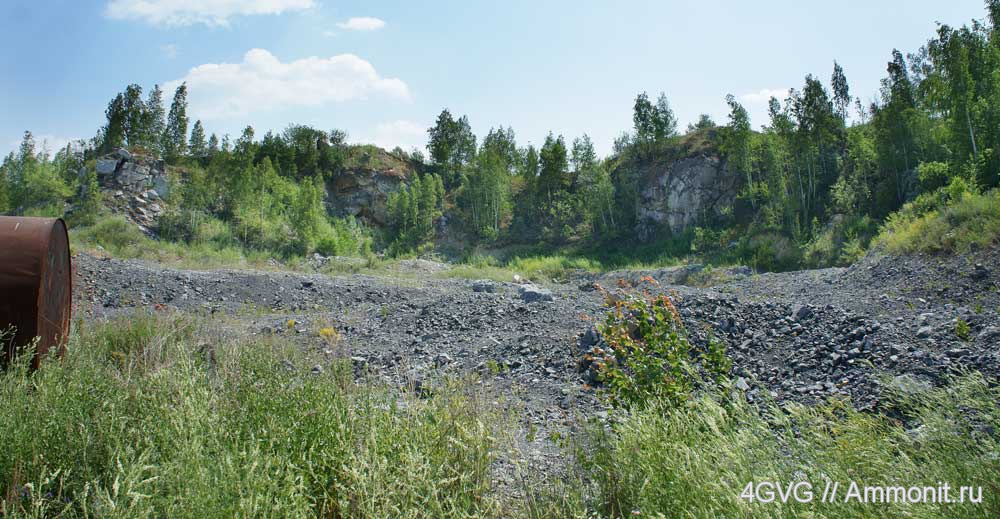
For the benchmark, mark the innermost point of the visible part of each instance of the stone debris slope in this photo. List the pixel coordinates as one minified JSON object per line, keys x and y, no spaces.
{"x":801,"y":336}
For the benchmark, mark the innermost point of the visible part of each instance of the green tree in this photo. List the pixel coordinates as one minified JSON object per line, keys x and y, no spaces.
{"x":736,"y":140}
{"x":452,"y":146}
{"x":841,"y":92}
{"x":197,"y":146}
{"x":5,"y":184}
{"x":644,"y":120}
{"x":485,"y":195}
{"x":154,"y":122}
{"x":583,"y":156}
{"x":174,"y":141}
{"x":503,"y":145}
{"x":134,"y":129}
{"x":213,"y":145}
{"x":599,"y":193}
{"x":308,"y":215}
{"x":664,"y":120}
{"x":113,"y":132}
{"x":552,"y":167}
{"x":704,"y":122}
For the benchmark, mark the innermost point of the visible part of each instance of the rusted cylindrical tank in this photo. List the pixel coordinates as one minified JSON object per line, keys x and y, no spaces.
{"x":36,"y":284}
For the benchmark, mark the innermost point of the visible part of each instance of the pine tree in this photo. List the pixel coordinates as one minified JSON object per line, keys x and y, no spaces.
{"x":175,"y":135}
{"x":134,"y":115}
{"x":553,"y":163}
{"x":154,"y":123}
{"x":213,"y":145}
{"x":197,"y":146}
{"x":113,"y":132}
{"x":5,"y":187}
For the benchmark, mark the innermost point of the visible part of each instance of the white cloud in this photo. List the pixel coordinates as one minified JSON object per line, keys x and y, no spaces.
{"x":402,"y":133}
{"x":329,"y":34}
{"x":190,"y":12}
{"x":363,"y":23}
{"x":262,"y":83}
{"x":169,"y":50}
{"x":765,"y":95}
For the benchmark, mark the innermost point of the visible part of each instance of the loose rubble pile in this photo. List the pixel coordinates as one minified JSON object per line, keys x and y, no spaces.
{"x":802,"y":336}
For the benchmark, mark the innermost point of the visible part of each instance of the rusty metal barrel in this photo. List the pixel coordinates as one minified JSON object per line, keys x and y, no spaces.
{"x":36,"y":284}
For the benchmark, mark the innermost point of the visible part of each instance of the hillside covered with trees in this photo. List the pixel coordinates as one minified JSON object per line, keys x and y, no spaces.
{"x":815,"y":183}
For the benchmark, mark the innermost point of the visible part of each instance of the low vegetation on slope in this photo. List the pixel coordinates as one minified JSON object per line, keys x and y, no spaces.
{"x":953,"y":219}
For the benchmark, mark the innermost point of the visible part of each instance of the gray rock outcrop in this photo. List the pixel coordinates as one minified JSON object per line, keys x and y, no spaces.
{"x":682,"y":193}
{"x":363,"y":193}
{"x":138,"y":183}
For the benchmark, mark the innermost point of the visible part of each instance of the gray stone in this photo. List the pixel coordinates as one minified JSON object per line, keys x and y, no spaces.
{"x":925,"y":332}
{"x":484,"y":285}
{"x":533,"y":293}
{"x":741,"y":384}
{"x":590,"y":338}
{"x":106,"y":166}
{"x":442,"y":359}
{"x":801,"y":312}
{"x":990,"y":333}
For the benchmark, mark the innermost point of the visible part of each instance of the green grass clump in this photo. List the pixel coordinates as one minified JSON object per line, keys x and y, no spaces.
{"x":695,"y":460}
{"x":139,"y":420}
{"x":968,"y":221}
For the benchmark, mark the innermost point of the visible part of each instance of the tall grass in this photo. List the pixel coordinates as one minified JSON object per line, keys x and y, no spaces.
{"x":696,"y":460}
{"x":141,"y":420}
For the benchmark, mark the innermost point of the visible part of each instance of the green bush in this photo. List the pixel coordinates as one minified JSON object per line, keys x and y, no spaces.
{"x":651,"y":359}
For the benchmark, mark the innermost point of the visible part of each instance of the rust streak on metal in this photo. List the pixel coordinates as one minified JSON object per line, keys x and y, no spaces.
{"x":35,"y":285}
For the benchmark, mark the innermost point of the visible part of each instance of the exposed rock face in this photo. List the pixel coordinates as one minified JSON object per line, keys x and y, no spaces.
{"x":363,"y":193}
{"x":139,"y":184}
{"x":684,"y":192}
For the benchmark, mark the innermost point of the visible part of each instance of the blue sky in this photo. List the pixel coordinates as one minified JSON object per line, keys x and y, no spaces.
{"x":571,"y":67}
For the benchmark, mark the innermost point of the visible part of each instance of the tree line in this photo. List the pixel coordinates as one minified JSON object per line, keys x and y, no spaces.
{"x":815,"y":181}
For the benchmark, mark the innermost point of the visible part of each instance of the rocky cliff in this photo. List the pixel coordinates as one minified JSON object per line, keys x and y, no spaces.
{"x":138,"y":184}
{"x":681,"y":185}
{"x":362,"y":188}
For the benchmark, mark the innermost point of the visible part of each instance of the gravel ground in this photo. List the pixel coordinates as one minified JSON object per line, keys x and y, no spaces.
{"x":800,"y":336}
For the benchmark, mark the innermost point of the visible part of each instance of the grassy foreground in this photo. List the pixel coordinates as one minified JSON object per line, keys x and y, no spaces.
{"x":139,"y":421}
{"x":143,"y":419}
